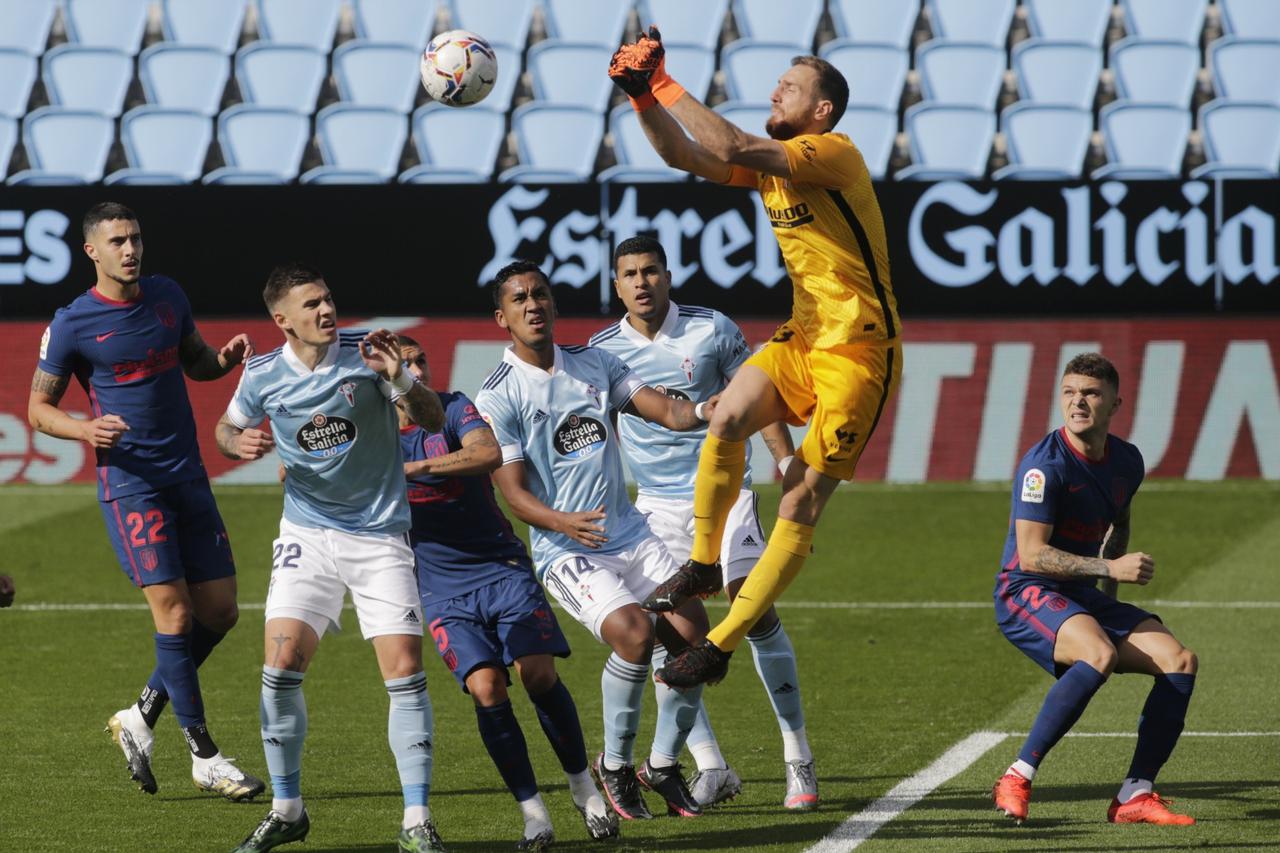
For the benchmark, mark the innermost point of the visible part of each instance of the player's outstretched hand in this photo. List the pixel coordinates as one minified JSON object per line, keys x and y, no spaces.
{"x":235,"y":351}
{"x":104,"y":432}
{"x":581,"y":527}
{"x":634,"y":65}
{"x":1132,"y":568}
{"x":254,"y":444}
{"x":6,"y":591}
{"x":380,"y":350}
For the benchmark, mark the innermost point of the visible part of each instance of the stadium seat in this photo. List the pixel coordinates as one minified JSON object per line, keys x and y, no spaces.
{"x":637,"y":161}
{"x":1166,"y":20}
{"x":1045,"y":142}
{"x":692,"y":65}
{"x":565,"y":74}
{"x":587,"y":21}
{"x":1155,"y":72}
{"x":794,"y":22}
{"x":875,"y":72}
{"x":426,"y":174}
{"x":299,"y":22}
{"x":981,"y":21}
{"x":175,"y":142}
{"x":87,"y":78}
{"x":1241,"y":140}
{"x":377,"y":74}
{"x":200,"y":23}
{"x":115,"y":24}
{"x":873,"y":130}
{"x":26,"y":24}
{"x":1057,"y":72}
{"x":400,"y":21}
{"x":749,"y":116}
{"x":185,"y":77}
{"x":963,"y":74}
{"x":502,"y":21}
{"x":68,"y":142}
{"x":948,"y":142}
{"x":286,"y":76}
{"x":1078,"y":20}
{"x":876,"y":21}
{"x":338,"y":175}
{"x":17,"y":75}
{"x":1257,"y":19}
{"x":752,"y":68}
{"x":143,"y":177}
{"x":682,"y":22}
{"x":263,"y":139}
{"x":362,"y":138}
{"x":459,"y":141}
{"x":555,"y":143}
{"x":232,"y":175}
{"x":1245,"y":69}
{"x":8,"y":141}
{"x":1143,"y":140}
{"x":37,"y":178}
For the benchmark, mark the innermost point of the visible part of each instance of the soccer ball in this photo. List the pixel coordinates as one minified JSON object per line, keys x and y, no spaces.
{"x":459,"y":68}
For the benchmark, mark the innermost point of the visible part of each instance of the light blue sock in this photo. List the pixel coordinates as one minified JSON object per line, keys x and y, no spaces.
{"x":284,"y":727}
{"x":701,"y":738}
{"x":622,"y":686}
{"x":776,"y":664}
{"x":678,"y":712}
{"x":409,"y":731}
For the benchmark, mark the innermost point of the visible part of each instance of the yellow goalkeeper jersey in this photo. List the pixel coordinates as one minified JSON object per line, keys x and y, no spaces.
{"x":829,"y":227}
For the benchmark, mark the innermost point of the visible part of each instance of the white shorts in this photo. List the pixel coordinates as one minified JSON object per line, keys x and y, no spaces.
{"x":312,"y":568}
{"x":671,"y":520}
{"x":591,"y":586}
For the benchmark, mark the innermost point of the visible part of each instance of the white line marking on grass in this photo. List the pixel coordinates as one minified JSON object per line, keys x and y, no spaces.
{"x":1184,"y":734}
{"x":858,"y":828}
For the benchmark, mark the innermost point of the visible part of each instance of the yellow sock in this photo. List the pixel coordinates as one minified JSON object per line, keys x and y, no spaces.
{"x":769,"y":578}
{"x":720,"y":468}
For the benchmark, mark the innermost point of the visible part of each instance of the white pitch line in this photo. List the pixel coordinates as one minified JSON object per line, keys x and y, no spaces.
{"x":858,"y":828}
{"x":1184,"y":734}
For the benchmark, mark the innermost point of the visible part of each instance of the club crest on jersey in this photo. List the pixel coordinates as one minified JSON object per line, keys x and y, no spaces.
{"x":594,"y":393}
{"x":326,"y":436}
{"x":687,"y":367}
{"x":348,"y":390}
{"x":673,"y":393}
{"x":578,"y":436}
{"x":164,"y":311}
{"x":1033,"y":487}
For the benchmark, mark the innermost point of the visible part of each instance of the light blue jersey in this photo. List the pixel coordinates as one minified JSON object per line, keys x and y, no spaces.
{"x":337,"y":433}
{"x":692,"y":357}
{"x":558,"y":424}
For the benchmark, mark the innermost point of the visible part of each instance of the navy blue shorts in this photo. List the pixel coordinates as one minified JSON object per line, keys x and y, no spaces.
{"x":503,"y":620}
{"x":169,"y":534}
{"x":1030,"y":611}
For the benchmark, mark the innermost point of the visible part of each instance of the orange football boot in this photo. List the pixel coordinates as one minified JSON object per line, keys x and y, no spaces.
{"x":1147,"y":808}
{"x":1012,"y":793}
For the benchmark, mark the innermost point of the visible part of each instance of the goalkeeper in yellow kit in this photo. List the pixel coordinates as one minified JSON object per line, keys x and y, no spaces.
{"x":834,"y":364}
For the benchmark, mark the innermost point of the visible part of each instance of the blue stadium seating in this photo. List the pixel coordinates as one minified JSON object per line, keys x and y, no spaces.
{"x":87,"y":78}
{"x":8,"y":141}
{"x":171,"y":142}
{"x":875,"y":72}
{"x":37,"y":178}
{"x":26,"y":24}
{"x":501,"y":21}
{"x":1057,"y":72}
{"x":876,"y":21}
{"x":184,"y":76}
{"x":115,"y":24}
{"x":948,"y":142}
{"x":363,"y":138}
{"x":68,"y":142}
{"x":1241,"y":140}
{"x":263,"y":139}
{"x":692,"y":65}
{"x":960,"y":73}
{"x":510,"y":67}
{"x":555,"y":143}
{"x":427,"y":174}
{"x":637,"y":161}
{"x":377,"y":74}
{"x":682,"y":22}
{"x":300,"y":22}
{"x":339,"y":175}
{"x":1170,"y":20}
{"x":750,"y":116}
{"x":233,"y":175}
{"x":1259,"y":19}
{"x":587,"y":21}
{"x":275,"y":75}
{"x":401,"y":21}
{"x":200,"y":23}
{"x":1143,"y":140}
{"x":17,"y":75}
{"x":571,"y":74}
{"x":752,"y":68}
{"x":983,"y":21}
{"x":1245,"y":69}
{"x":142,"y":177}
{"x":1045,"y":142}
{"x":873,"y":130}
{"x":794,"y":22}
{"x":1078,"y":20}
{"x":1155,"y":72}
{"x":459,"y":141}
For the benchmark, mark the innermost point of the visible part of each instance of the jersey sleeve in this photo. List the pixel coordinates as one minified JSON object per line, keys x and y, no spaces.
{"x":245,"y":411}
{"x":58,"y":347}
{"x":497,"y":411}
{"x":741,"y":176}
{"x":822,"y":159}
{"x":731,"y":347}
{"x":623,"y":384}
{"x":462,"y":417}
{"x":1036,"y":491}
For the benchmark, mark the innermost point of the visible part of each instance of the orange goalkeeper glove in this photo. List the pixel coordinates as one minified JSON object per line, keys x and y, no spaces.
{"x":640,"y":70}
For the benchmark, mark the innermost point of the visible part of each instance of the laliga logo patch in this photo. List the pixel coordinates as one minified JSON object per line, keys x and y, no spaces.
{"x":325,"y":437}
{"x":673,"y":393}
{"x":1033,"y":487}
{"x":578,"y":437}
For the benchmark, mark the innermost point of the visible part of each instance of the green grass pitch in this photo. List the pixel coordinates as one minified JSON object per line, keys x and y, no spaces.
{"x":886,"y":690}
